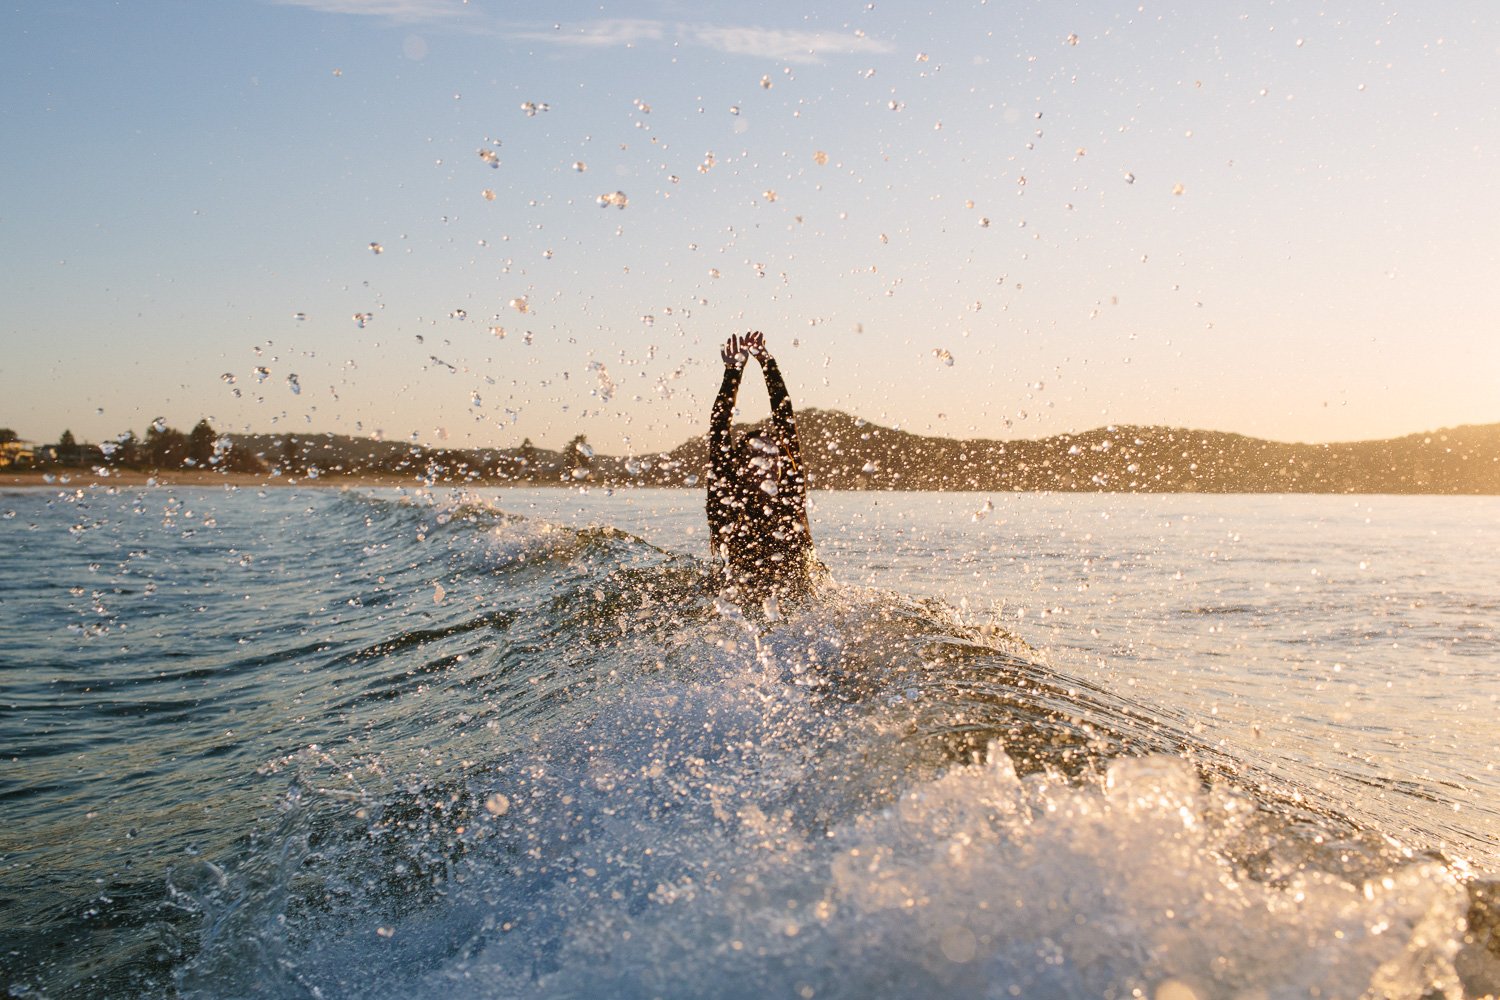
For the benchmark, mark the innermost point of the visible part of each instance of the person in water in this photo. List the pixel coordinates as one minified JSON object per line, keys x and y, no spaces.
{"x":757,"y":488}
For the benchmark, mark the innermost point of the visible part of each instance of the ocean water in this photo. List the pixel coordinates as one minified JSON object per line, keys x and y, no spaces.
{"x":509,"y":743}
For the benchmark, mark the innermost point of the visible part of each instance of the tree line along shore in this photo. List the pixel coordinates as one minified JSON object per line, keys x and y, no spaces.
{"x":841,"y":452}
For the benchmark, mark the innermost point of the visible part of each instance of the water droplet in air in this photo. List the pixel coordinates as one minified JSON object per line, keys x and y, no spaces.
{"x":648,"y":320}
{"x":294,"y":385}
{"x":488,"y":194}
{"x":583,"y":448}
{"x":534,"y":108}
{"x":360,"y":319}
{"x":520,"y":304}
{"x":1072,"y":38}
{"x":869,"y":468}
{"x":769,"y":195}
{"x":261,"y":374}
{"x":765,"y":83}
{"x":943,"y":356}
{"x":580,"y":166}
{"x":159,"y":425}
{"x":491,"y":157}
{"x":228,"y":377}
{"x":984,"y":223}
{"x":497,"y":805}
{"x":616,"y":198}
{"x":458,"y":314}
{"x":498,"y":331}
{"x":376,"y":248}
{"x":820,"y":158}
{"x":769,"y":487}
{"x":1130,"y":178}
{"x":734,"y":109}
{"x":299,"y":317}
{"x":474,"y":398}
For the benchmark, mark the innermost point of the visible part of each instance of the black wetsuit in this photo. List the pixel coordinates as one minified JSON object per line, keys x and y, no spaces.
{"x":757,"y":500}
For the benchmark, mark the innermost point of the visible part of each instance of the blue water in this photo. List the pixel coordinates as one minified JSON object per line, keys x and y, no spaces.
{"x":379,"y":743}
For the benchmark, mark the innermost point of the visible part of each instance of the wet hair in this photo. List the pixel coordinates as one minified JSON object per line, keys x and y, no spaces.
{"x":757,"y":451}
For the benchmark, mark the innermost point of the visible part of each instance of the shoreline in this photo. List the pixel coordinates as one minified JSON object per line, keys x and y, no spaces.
{"x":207,"y":479}
{"x":81,"y":478}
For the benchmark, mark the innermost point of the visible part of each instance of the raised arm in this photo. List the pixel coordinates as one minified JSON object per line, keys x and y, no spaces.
{"x":723,"y":411}
{"x":782,"y":416}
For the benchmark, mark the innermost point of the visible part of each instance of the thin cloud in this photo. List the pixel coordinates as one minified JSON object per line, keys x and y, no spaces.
{"x":599,"y":34}
{"x":400,"y":11}
{"x":783,"y":46}
{"x":739,"y":40}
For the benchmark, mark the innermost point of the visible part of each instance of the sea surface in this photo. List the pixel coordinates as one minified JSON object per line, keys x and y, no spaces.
{"x":510,"y":743}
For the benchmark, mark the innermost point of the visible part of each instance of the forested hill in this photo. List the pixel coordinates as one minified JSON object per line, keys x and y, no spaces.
{"x":843,"y":452}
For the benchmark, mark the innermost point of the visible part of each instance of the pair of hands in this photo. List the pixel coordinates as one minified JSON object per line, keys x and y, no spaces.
{"x":741,"y":346}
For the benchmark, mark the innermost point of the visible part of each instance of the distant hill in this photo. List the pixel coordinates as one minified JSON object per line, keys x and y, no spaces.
{"x":845,"y":453}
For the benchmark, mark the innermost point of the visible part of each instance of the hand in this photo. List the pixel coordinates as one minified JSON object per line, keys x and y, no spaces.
{"x":733,"y":352}
{"x":754,"y":343}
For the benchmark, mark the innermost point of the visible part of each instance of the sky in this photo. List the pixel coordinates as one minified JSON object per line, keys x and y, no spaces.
{"x":470,"y":223}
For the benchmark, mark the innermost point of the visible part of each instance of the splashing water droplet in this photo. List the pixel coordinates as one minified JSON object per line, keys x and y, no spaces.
{"x":376,"y":248}
{"x":615,"y":198}
{"x":648,"y":320}
{"x":294,"y":385}
{"x":580,"y":166}
{"x":159,"y":425}
{"x":475,"y":400}
{"x":261,"y":374}
{"x":520,"y":305}
{"x":228,"y":377}
{"x":498,"y":331}
{"x":942,"y":355}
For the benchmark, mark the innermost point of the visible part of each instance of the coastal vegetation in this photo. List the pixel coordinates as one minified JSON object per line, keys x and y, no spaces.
{"x":841,"y":452}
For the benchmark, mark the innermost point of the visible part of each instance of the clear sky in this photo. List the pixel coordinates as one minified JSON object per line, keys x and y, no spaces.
{"x":1001,"y":219}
